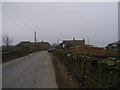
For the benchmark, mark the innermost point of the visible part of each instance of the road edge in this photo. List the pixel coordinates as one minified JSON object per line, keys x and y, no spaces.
{"x":63,"y":79}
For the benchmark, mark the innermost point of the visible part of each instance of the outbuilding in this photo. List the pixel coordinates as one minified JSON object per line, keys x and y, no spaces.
{"x":114,"y":46}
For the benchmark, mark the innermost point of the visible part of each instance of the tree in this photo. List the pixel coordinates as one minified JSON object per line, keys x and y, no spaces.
{"x":7,"y":40}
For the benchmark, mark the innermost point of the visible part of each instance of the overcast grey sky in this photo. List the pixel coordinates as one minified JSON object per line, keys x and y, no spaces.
{"x":96,"y":21}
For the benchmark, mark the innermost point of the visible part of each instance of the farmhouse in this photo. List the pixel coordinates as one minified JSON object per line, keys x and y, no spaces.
{"x":70,"y":43}
{"x":114,"y":46}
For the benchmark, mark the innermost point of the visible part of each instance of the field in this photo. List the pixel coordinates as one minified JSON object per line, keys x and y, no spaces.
{"x":95,"y":51}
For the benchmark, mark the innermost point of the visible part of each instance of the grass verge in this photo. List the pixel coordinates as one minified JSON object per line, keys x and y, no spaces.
{"x":63,"y":77}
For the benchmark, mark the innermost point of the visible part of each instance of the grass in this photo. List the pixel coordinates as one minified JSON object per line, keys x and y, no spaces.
{"x":64,"y":80}
{"x":13,"y":55}
{"x":90,"y":71}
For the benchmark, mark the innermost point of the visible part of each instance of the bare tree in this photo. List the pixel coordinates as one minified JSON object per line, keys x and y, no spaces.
{"x":7,"y":40}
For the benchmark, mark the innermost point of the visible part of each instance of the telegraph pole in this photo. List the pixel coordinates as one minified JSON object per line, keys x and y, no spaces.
{"x":88,"y":41}
{"x":35,"y":37}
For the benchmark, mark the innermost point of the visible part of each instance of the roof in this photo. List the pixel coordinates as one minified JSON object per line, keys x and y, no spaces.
{"x":24,"y":43}
{"x":117,"y":42}
{"x":34,"y":45}
{"x":72,"y":41}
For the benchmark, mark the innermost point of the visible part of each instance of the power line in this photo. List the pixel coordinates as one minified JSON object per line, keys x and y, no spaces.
{"x":11,"y":19}
{"x":20,"y":17}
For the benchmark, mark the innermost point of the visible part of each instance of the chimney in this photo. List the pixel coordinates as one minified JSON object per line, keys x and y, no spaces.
{"x":73,"y":39}
{"x":35,"y":37}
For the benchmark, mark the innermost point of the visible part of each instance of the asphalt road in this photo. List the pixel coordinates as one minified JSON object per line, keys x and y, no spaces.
{"x":32,"y":71}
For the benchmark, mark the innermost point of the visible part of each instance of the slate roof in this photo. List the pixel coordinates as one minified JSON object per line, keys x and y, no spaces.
{"x":117,"y":42}
{"x":31,"y":45}
{"x":24,"y":43}
{"x":74,"y":42}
